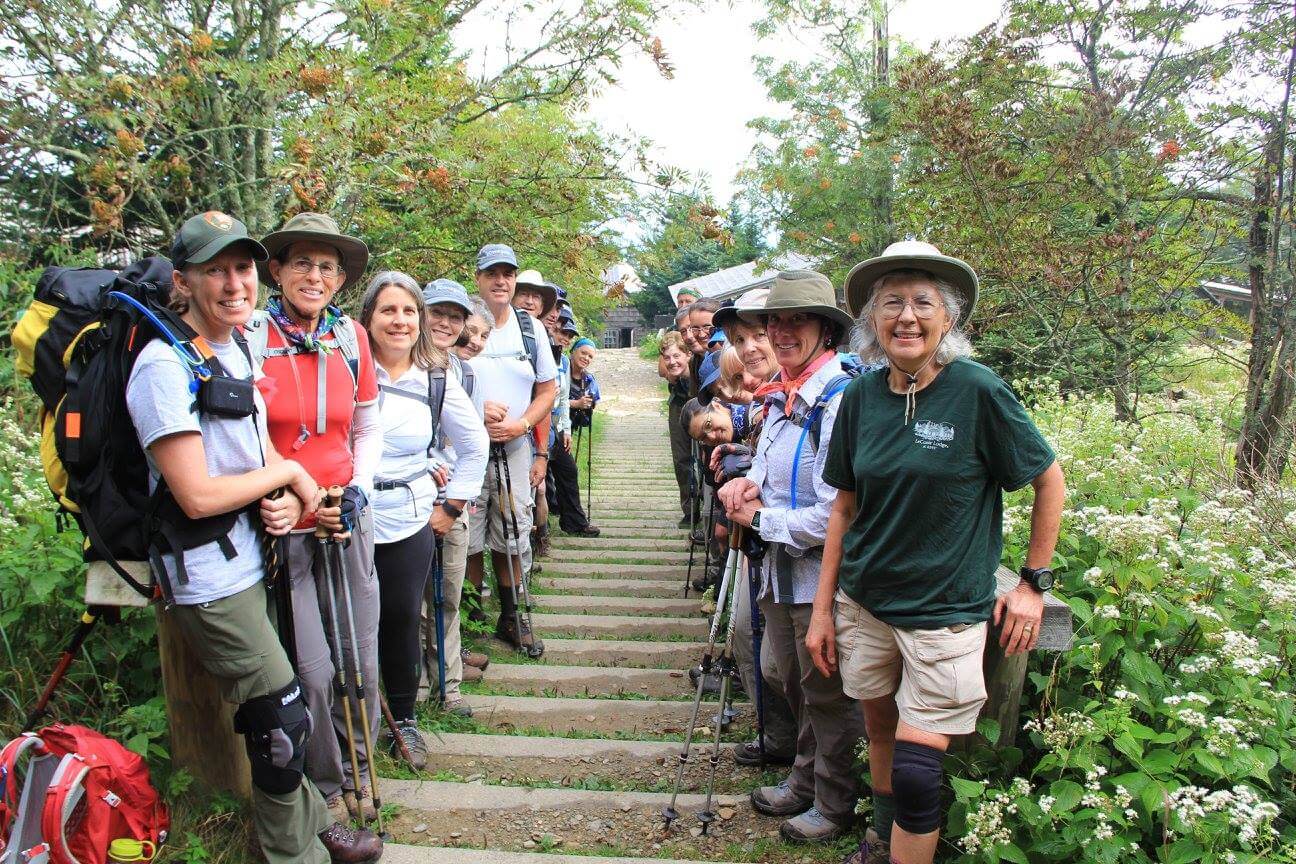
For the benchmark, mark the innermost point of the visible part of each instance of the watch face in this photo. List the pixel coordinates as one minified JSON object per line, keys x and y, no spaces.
{"x":1044,"y":579}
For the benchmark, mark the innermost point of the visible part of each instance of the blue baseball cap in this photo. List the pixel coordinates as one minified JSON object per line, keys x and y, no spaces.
{"x":495,"y":253}
{"x":446,"y":291}
{"x":717,"y":336}
{"x":709,"y":369}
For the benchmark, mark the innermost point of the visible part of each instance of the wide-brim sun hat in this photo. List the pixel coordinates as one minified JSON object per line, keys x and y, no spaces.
{"x":317,"y":228}
{"x":802,"y":291}
{"x":727,"y":315}
{"x":447,"y":291}
{"x":533,"y":281}
{"x":912,"y":255}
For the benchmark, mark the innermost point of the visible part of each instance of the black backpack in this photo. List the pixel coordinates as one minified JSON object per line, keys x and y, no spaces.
{"x":78,"y":342}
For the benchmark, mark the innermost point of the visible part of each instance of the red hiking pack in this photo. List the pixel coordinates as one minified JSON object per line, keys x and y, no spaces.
{"x":66,"y":792}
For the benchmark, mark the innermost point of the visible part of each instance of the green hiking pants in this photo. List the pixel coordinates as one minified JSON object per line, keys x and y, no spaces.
{"x":235,"y":642}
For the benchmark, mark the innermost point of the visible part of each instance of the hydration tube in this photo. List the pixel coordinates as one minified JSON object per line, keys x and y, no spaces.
{"x":186,"y":351}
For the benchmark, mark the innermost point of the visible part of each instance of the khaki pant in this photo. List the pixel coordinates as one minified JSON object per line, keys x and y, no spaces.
{"x":780,"y":724}
{"x":454,"y":563}
{"x":681,"y":453}
{"x":234,"y":641}
{"x":485,"y":526}
{"x":325,"y":762}
{"x":830,"y":722}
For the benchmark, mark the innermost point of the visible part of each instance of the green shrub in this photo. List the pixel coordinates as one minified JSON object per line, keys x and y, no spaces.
{"x":649,"y":346}
{"x":1168,"y":731}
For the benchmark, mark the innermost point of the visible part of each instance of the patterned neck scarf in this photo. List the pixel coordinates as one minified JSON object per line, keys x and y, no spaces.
{"x":298,"y":336}
{"x":739,"y":415}
{"x":790,"y":388}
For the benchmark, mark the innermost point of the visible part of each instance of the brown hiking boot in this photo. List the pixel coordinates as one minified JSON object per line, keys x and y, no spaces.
{"x":472,"y":674}
{"x":474,"y":658}
{"x":360,"y":806}
{"x":506,"y":630}
{"x":349,"y":846}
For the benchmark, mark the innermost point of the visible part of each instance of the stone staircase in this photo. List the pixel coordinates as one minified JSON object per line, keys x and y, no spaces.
{"x":575,"y":755}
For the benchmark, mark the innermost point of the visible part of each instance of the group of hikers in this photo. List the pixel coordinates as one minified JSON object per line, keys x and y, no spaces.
{"x":859,"y":457}
{"x":376,"y":460}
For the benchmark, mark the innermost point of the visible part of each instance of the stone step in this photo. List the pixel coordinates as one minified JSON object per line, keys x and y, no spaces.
{"x":621,"y":544}
{"x":613,"y":587}
{"x":401,"y":853}
{"x":661,"y":530}
{"x":549,"y":680}
{"x":607,"y":604}
{"x":613,"y":652}
{"x":664,"y":521}
{"x":593,"y":626}
{"x":609,"y":556}
{"x":586,"y":568}
{"x":529,"y":760}
{"x":560,"y":716}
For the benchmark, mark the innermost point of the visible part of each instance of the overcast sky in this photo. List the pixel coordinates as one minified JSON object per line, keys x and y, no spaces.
{"x":698,"y":119}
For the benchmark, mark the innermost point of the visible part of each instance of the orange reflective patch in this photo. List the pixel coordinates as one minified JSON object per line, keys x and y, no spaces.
{"x":72,"y":425}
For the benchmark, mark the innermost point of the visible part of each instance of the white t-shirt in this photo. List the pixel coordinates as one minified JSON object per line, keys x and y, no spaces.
{"x":407,"y":428}
{"x":158,"y":398}
{"x":503,"y":368}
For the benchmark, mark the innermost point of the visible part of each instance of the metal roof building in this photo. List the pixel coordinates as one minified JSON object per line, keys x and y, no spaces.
{"x":732,"y":281}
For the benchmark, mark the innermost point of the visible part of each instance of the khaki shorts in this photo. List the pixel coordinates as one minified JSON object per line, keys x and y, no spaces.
{"x":936,"y":675}
{"x":485,"y":527}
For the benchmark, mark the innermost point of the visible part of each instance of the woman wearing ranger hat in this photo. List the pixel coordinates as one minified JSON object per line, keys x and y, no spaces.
{"x":321,"y":392}
{"x":216,"y":459}
{"x":923,"y":452}
{"x":784,"y":501}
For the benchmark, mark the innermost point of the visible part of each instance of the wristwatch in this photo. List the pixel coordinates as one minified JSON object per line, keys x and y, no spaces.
{"x":1039,"y":578}
{"x":452,"y":511}
{"x":755,"y":523}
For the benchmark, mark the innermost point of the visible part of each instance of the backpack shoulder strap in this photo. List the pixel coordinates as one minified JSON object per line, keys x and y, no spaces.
{"x":527,"y":326}
{"x":464,"y":372}
{"x":256,"y":332}
{"x":831,"y":389}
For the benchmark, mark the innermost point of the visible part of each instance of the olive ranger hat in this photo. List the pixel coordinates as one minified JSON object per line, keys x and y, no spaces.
{"x":912,"y":255}
{"x":802,"y":291}
{"x":318,"y":228}
{"x":531,"y":280}
{"x":203,"y":237}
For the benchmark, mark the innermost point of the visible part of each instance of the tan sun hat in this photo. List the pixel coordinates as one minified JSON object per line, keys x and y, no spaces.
{"x":317,"y":228}
{"x":912,"y":255}
{"x":533,"y":281}
{"x":802,"y":291}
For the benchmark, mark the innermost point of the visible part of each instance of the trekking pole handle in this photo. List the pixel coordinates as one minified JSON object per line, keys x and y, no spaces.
{"x":332,"y":498}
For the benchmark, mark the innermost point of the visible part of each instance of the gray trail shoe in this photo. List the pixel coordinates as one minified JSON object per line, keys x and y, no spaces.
{"x":812,"y":827}
{"x":779,"y":801}
{"x":413,"y":740}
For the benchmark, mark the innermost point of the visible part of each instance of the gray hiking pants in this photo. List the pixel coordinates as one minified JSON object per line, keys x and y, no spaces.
{"x":780,"y":725}
{"x":327,"y":753}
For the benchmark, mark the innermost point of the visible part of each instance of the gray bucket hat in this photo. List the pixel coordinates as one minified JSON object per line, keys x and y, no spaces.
{"x":446,"y":291}
{"x":802,"y":291}
{"x":317,"y":228}
{"x":753,"y":299}
{"x":912,"y":255}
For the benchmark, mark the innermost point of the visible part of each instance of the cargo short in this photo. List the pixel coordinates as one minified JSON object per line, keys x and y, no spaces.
{"x":936,"y":675}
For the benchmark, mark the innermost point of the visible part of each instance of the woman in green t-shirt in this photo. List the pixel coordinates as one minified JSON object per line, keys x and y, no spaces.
{"x":922,"y":452}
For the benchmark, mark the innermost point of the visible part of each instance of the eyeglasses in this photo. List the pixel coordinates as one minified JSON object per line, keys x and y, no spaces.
{"x":923,"y":307}
{"x":707,"y":329}
{"x":327,"y":269}
{"x":454,"y":316}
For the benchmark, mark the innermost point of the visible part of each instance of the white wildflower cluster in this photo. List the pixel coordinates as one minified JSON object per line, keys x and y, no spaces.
{"x":1198,"y":665}
{"x":1096,"y":798}
{"x":1120,"y":694}
{"x":20,"y":466}
{"x":1015,"y":516}
{"x":1093,"y":577}
{"x":1063,"y":729}
{"x":1226,"y":734}
{"x":1110,"y":611}
{"x":1250,"y":815}
{"x":985,"y":824}
{"x":1124,"y":535}
{"x":1243,"y":653}
{"x":1189,"y":698}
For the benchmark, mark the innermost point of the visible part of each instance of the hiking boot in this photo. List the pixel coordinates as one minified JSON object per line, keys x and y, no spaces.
{"x":471,"y":674}
{"x":779,"y":801}
{"x":349,"y":846}
{"x":587,"y":531}
{"x":872,"y":850}
{"x":457,"y":706}
{"x":526,"y":642}
{"x":476,"y":659}
{"x":414,"y":743}
{"x":541,"y":544}
{"x":535,"y":566}
{"x":698,"y":535}
{"x":712,"y":685}
{"x":337,"y":809}
{"x":360,"y":806}
{"x":477,"y":615}
{"x":812,"y":827}
{"x":748,"y":753}
{"x":684,"y":522}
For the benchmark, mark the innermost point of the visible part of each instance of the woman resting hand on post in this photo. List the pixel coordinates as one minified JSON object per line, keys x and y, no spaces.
{"x":922,"y":454}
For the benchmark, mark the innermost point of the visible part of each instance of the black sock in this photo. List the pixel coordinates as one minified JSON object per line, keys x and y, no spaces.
{"x":507,"y":605}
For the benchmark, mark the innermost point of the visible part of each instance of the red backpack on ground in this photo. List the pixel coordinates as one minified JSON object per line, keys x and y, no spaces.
{"x":66,"y":792}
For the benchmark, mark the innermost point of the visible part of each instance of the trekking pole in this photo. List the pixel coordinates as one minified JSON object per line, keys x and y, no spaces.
{"x":758,"y":633}
{"x":589,"y":472}
{"x":395,"y":731}
{"x":497,"y":455}
{"x":89,"y":618}
{"x":669,"y":813}
{"x":524,"y":584}
{"x":279,"y":583}
{"x":366,"y":734}
{"x":324,"y":541}
{"x":694,"y":515}
{"x":726,"y":671}
{"x":438,"y":606}
{"x":706,"y":551}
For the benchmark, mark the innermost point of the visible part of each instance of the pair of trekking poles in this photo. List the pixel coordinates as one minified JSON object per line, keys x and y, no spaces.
{"x":589,"y":468}
{"x":725,"y":667}
{"x":695,"y":522}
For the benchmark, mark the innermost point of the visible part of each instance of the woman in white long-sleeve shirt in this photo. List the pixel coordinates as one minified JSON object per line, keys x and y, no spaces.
{"x":420,"y":406}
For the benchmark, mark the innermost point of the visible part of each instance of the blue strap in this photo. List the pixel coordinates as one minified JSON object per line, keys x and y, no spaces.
{"x":186,"y":350}
{"x":834,"y":387}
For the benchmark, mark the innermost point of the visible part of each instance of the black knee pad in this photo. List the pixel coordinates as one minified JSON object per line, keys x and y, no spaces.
{"x":274,"y":729}
{"x":916,"y":772}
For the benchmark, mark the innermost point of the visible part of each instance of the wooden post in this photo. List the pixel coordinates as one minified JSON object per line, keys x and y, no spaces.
{"x":1006,"y":676}
{"x":203,"y":741}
